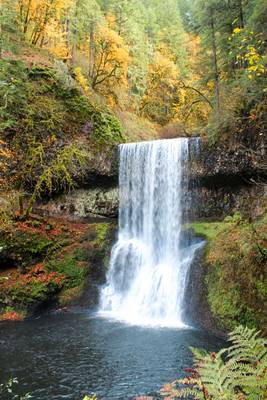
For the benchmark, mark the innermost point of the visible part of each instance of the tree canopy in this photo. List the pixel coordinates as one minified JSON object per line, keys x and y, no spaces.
{"x":199,"y":63}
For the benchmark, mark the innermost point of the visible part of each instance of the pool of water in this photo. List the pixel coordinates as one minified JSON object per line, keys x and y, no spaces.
{"x":66,"y":356}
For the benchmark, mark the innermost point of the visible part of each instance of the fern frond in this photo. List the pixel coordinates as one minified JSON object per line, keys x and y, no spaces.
{"x":186,"y":393}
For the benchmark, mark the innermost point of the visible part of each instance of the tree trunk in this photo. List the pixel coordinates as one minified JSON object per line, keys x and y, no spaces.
{"x":26,"y":20}
{"x":215,"y":61}
{"x":1,"y":33}
{"x":68,"y":39}
{"x":75,"y":36}
{"x":92,"y":50}
{"x":241,"y":14}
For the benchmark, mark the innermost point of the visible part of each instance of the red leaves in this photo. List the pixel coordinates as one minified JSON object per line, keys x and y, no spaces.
{"x":39,"y":274}
{"x":213,"y":355}
{"x":11,"y":316}
{"x":36,"y":275}
{"x":253,"y":117}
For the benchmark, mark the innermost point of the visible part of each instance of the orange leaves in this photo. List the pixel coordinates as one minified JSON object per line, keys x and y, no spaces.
{"x":39,"y":275}
{"x":11,"y":316}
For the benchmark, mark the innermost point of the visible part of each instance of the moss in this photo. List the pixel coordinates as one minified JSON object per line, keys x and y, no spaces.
{"x":70,"y":295}
{"x":102,"y":242}
{"x":72,"y":266}
{"x":26,"y":245}
{"x":102,"y":231}
{"x":104,"y":127}
{"x":209,"y":230}
{"x":33,"y":292}
{"x":54,"y":261}
{"x":38,"y":110}
{"x":236,"y":270}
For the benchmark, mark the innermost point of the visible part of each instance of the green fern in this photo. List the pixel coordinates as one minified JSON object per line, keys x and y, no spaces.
{"x":235,"y":373}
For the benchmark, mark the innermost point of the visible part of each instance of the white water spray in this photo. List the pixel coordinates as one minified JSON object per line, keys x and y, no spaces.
{"x":149,"y":266}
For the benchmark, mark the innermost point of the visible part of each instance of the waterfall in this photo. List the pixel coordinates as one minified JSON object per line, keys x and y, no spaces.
{"x":149,"y":263}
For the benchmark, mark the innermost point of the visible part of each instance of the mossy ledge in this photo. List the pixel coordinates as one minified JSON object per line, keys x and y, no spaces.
{"x":49,"y":263}
{"x":233,"y":271}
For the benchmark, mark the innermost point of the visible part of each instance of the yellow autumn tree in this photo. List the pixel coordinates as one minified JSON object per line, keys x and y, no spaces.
{"x":56,"y":39}
{"x":36,"y":15}
{"x":193,"y":107}
{"x":162,"y":91}
{"x":111,"y":60}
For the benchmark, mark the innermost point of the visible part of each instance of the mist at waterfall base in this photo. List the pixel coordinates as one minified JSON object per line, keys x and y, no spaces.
{"x":149,"y":264}
{"x":66,"y":356}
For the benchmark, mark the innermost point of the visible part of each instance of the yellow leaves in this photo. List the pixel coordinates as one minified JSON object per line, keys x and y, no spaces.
{"x":247,"y":50}
{"x":164,"y":50}
{"x":111,"y":21}
{"x":163,"y":68}
{"x":236,"y":30}
{"x":57,"y":40}
{"x":5,"y":155}
{"x":38,"y":18}
{"x":4,"y":151}
{"x":210,"y":84}
{"x":111,"y":57}
{"x":163,"y":89}
{"x":81,"y":79}
{"x":109,"y":36}
{"x":252,"y":68}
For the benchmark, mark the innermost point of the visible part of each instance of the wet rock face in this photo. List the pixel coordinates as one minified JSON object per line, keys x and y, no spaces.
{"x":102,"y":170}
{"x":239,"y":162}
{"x":215,"y":202}
{"x":218,"y":162}
{"x":222,"y":182}
{"x":83,"y":203}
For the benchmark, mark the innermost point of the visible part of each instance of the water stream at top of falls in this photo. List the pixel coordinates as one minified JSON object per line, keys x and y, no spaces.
{"x":149,"y":263}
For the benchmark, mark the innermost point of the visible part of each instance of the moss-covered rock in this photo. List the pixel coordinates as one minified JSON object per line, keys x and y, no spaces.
{"x":235,"y":277}
{"x":55,"y":263}
{"x":43,"y":114}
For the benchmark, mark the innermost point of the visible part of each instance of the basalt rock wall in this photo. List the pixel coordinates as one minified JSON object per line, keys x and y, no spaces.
{"x":222,"y":181}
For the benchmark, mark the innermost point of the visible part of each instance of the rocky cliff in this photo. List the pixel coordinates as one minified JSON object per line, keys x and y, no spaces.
{"x":222,"y":181}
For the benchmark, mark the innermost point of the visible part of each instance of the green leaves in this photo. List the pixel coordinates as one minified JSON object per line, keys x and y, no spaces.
{"x":234,"y":373}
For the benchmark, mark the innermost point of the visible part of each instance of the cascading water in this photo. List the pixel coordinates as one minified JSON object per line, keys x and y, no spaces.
{"x":149,"y":263}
